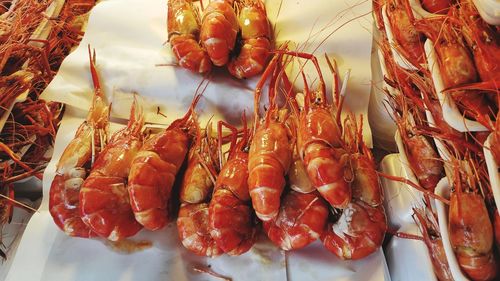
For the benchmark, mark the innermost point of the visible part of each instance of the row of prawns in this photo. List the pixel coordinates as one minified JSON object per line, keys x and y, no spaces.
{"x":435,"y":150}
{"x":467,"y":51}
{"x":233,"y":33}
{"x":302,"y":172}
{"x":292,"y":169}
{"x":113,"y":187}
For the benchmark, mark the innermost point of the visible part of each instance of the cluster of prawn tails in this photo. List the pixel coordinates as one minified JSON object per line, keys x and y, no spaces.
{"x":233,"y":33}
{"x":468,"y":57}
{"x":32,"y":47}
{"x":300,"y":173}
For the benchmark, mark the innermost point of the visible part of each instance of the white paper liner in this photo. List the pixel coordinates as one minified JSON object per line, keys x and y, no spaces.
{"x":492,"y":166}
{"x":128,"y":37}
{"x":451,"y":114}
{"x":443,"y":189}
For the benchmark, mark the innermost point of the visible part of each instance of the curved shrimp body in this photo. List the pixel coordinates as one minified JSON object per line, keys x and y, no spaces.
{"x":269,"y":160}
{"x":318,"y":139}
{"x":194,"y":230}
{"x":422,"y":156}
{"x":471,"y":235}
{"x":434,"y":243}
{"x":104,"y":200}
{"x":454,"y":59}
{"x":183,"y":30}
{"x":301,"y":221}
{"x":424,"y":161}
{"x":230,"y":213}
{"x":76,"y":158}
{"x":408,"y":38}
{"x":154,"y":168}
{"x":193,"y":221}
{"x":152,"y":175}
{"x":361,"y":228}
{"x":483,"y":41}
{"x":219,"y":28}
{"x":256,"y":36}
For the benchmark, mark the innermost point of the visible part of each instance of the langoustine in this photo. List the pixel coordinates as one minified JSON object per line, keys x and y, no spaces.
{"x":319,"y":139}
{"x":195,"y":195}
{"x":255,"y":40}
{"x":409,"y":39}
{"x":470,"y":228}
{"x":362,"y":225}
{"x":422,"y":155}
{"x":270,"y":151}
{"x":104,"y":200}
{"x":154,"y":168}
{"x":183,"y":30}
{"x":77,"y":158}
{"x":230,"y":213}
{"x":484,"y":42}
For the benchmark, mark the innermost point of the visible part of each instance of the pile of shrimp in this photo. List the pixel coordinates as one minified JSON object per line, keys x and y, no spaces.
{"x":465,"y":46}
{"x":467,"y":50}
{"x":233,"y":33}
{"x":28,"y":63}
{"x":300,"y":173}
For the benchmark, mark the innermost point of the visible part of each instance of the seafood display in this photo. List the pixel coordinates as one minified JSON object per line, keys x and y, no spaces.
{"x":126,"y":183}
{"x":435,"y":149}
{"x":206,"y":180}
{"x":233,"y":33}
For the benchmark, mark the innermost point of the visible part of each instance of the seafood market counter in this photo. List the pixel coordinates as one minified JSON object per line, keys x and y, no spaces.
{"x":128,"y":38}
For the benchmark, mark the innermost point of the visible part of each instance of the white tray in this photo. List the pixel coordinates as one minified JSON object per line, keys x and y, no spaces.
{"x":399,"y":199}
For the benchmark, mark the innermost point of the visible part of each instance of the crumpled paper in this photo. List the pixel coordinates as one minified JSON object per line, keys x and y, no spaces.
{"x":128,"y":37}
